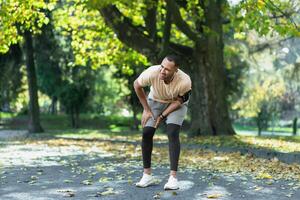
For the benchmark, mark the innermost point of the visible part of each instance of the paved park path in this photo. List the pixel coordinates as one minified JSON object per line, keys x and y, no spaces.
{"x":38,"y":171}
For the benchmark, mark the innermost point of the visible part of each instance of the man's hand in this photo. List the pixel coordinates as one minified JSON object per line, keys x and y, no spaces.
{"x":157,"y":121}
{"x":147,"y":114}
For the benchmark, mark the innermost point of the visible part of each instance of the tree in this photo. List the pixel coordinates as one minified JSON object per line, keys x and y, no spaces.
{"x":260,"y":100}
{"x":94,"y":44}
{"x":34,"y":125}
{"x":130,"y":65}
{"x":48,"y":55}
{"x":20,"y":20}
{"x":76,"y":91}
{"x":203,"y":60}
{"x":11,"y":76}
{"x":147,"y":27}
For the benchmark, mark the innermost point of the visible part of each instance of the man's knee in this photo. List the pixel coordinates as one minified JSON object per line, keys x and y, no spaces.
{"x":173,"y":131}
{"x":148,"y":132}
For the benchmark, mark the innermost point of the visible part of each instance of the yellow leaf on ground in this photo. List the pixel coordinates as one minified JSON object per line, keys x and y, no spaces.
{"x":214,"y":196}
{"x":264,"y":176}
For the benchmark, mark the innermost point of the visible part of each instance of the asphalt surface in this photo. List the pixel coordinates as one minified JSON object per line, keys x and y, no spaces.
{"x":41,"y":172}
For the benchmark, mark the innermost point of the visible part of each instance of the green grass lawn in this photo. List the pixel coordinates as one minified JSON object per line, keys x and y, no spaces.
{"x":117,"y":127}
{"x":62,"y":122}
{"x":240,"y":127}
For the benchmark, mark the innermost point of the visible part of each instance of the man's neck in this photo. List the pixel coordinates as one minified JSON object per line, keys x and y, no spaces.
{"x":169,"y":80}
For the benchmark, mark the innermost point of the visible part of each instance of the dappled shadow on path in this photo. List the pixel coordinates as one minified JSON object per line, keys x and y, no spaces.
{"x":44,"y":171}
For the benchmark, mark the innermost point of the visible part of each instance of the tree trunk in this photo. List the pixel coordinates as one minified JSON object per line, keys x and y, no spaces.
{"x":209,"y":105}
{"x":295,"y":126}
{"x":77,"y":122}
{"x":34,"y":113}
{"x":200,"y":123}
{"x":72,"y":117}
{"x":53,"y":106}
{"x":259,"y":123}
{"x":136,"y":122}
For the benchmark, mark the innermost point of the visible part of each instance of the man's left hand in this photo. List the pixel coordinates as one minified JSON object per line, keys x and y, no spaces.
{"x":157,"y":122}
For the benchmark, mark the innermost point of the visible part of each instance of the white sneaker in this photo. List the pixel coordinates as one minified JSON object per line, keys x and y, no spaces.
{"x":145,"y":181}
{"x":172,"y":184}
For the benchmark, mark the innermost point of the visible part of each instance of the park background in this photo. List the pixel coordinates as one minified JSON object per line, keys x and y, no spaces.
{"x":67,"y":70}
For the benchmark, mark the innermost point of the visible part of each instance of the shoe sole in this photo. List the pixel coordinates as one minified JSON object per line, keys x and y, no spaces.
{"x":143,"y":186}
{"x":171,"y":188}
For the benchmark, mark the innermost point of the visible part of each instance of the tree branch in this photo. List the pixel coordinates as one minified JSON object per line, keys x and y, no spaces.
{"x":261,"y":47}
{"x":180,"y":23}
{"x":126,"y":32}
{"x":134,"y":38}
{"x":166,"y":33}
{"x":285,"y":14}
{"x":150,"y":18}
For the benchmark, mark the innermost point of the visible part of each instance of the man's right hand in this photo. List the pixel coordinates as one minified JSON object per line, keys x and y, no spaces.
{"x":147,"y":114}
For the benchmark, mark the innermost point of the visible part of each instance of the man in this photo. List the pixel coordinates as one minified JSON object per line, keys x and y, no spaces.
{"x":167,"y":101}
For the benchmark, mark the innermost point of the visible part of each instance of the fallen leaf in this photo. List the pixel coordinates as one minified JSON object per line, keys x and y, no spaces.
{"x":264,"y":176}
{"x":214,"y":196}
{"x":68,"y":181}
{"x":258,"y":188}
{"x":87,"y":182}
{"x":109,"y":191}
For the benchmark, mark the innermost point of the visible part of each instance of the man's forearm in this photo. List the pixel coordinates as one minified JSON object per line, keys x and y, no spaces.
{"x":172,"y":107}
{"x":142,"y":96}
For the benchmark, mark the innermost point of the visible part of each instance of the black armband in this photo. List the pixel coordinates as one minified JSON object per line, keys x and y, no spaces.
{"x":186,"y":96}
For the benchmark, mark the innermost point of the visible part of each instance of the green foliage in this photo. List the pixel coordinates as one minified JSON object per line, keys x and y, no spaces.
{"x":47,"y":58}
{"x":74,"y":96}
{"x":91,"y":41}
{"x":261,"y":101}
{"x":236,"y":68}
{"x":267,"y":17}
{"x":11,"y":77}
{"x":258,"y":94}
{"x":108,"y":92}
{"x":18,"y":16}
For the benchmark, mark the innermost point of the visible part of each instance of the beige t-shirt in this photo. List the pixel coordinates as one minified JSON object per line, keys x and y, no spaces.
{"x":160,"y":91}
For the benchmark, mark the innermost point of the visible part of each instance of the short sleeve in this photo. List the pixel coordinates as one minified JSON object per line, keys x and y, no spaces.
{"x":186,"y":86}
{"x":146,"y":77}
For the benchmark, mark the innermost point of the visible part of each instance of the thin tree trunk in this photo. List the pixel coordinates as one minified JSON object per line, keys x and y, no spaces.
{"x":53,"y":107}
{"x":72,"y":116}
{"x":295,"y":126}
{"x":34,"y":113}
{"x":259,"y":123}
{"x":77,"y":122}
{"x":136,"y":122}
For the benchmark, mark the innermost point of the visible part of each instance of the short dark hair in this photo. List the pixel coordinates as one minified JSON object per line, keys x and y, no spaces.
{"x":173,"y":58}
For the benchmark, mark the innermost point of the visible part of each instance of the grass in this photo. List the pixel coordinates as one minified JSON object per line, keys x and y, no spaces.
{"x":117,"y":127}
{"x":62,"y":122}
{"x":240,"y":127}
{"x":6,"y":115}
{"x":286,"y":144}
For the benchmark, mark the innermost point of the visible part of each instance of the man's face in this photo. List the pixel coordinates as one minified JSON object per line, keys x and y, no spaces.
{"x":168,"y":69}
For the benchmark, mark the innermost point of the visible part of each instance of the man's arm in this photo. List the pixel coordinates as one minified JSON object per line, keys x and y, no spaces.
{"x":172,"y":107}
{"x":147,"y":113}
{"x":176,"y":104}
{"x":141,"y":95}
